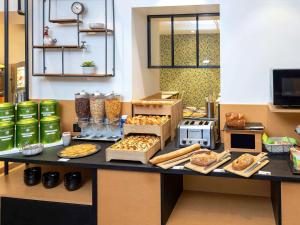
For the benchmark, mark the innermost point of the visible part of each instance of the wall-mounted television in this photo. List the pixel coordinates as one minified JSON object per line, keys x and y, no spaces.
{"x":286,"y":87}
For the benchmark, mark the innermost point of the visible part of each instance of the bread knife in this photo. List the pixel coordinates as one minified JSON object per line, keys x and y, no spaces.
{"x":256,"y":164}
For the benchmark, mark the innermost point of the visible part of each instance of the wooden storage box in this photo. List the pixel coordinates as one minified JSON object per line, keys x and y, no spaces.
{"x":163,"y":131}
{"x":141,"y":156}
{"x":243,"y":140}
{"x":174,"y":111}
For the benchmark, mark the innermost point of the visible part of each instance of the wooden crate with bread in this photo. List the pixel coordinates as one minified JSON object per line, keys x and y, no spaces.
{"x":156,"y":125}
{"x":134,"y":148}
{"x":168,"y":107}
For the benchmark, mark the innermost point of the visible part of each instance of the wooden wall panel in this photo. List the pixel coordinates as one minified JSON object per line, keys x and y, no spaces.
{"x":276,"y":124}
{"x":290,"y":195}
{"x":227,"y":185}
{"x":128,"y":198}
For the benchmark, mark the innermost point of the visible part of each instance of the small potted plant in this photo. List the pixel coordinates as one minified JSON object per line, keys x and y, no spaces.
{"x":88,"y":67}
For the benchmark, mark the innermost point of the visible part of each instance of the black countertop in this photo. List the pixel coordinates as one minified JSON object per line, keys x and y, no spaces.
{"x":278,"y":166}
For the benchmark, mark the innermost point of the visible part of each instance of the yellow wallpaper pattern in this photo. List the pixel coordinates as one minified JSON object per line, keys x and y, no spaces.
{"x":195,"y":84}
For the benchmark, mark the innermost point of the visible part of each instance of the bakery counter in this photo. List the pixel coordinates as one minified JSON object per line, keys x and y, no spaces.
{"x":153,"y":196}
{"x":278,"y":169}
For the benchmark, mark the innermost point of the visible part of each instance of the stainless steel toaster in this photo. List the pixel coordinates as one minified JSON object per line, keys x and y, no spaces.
{"x":193,"y":131}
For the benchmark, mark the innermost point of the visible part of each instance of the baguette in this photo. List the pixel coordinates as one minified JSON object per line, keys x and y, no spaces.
{"x":174,"y":154}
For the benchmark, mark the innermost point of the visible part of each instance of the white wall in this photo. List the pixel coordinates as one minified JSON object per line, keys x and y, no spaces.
{"x":145,"y":82}
{"x":60,"y":88}
{"x":256,"y":36}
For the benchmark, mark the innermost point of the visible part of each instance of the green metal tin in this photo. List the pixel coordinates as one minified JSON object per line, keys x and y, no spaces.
{"x":49,"y":108}
{"x":7,"y":135}
{"x":27,"y":132}
{"x":7,"y":112}
{"x":27,"y":110}
{"x":50,"y":129}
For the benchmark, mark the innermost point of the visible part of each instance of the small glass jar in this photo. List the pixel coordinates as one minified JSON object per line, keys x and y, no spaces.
{"x":82,"y":105}
{"x":113,"y":107}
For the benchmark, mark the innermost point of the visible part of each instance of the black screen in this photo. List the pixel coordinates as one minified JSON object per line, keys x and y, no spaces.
{"x":245,"y":141}
{"x":290,"y":86}
{"x":286,"y":87}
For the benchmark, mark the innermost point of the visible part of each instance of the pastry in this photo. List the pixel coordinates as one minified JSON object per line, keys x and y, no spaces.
{"x":174,"y":154}
{"x":78,"y":150}
{"x":204,"y":159}
{"x":136,"y":143}
{"x":242,"y":162}
{"x":147,"y":120}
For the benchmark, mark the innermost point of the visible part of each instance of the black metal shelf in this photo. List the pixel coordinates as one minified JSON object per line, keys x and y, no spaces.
{"x":80,"y":44}
{"x":71,"y":75}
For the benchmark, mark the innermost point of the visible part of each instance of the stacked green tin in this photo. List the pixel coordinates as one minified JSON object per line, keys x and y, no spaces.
{"x":27,"y":110}
{"x":27,"y":132}
{"x":49,"y":108}
{"x":7,"y":135}
{"x":50,"y":129}
{"x":7,"y":112}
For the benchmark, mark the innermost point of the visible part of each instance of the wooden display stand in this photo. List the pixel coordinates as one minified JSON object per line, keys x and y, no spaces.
{"x":130,"y":155}
{"x":174,"y":111}
{"x":243,"y":140}
{"x":162,"y":131}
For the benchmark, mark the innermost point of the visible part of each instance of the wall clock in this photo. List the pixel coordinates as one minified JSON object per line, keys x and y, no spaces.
{"x":77,"y":8}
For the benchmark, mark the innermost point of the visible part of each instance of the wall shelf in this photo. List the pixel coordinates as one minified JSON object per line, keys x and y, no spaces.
{"x":95,"y":30}
{"x":71,"y":75}
{"x":78,"y":23}
{"x":195,"y":207}
{"x":12,"y":186}
{"x":280,"y":109}
{"x":64,"y":21}
{"x":57,"y":46}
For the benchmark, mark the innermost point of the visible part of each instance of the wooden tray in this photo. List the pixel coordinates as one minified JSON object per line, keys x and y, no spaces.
{"x":162,"y":131}
{"x":174,"y":111}
{"x":242,"y":172}
{"x":98,"y":148}
{"x":208,"y":169}
{"x":130,"y":155}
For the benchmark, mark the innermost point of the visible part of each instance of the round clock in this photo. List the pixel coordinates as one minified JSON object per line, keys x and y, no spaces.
{"x":77,"y":8}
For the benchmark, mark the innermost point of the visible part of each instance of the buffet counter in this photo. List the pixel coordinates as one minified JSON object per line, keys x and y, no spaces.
{"x":152,"y":195}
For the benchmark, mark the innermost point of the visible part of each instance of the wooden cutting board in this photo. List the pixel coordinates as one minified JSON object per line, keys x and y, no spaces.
{"x":208,"y":169}
{"x":249,"y":174}
{"x":178,"y":160}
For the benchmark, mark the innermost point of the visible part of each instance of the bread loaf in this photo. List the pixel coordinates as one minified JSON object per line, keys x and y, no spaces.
{"x":235,"y":120}
{"x":204,"y":159}
{"x":174,"y":154}
{"x":242,"y":162}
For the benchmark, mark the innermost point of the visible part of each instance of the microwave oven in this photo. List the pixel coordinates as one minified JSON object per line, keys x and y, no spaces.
{"x":286,"y":87}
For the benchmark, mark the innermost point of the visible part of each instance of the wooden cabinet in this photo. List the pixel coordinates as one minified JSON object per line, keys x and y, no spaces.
{"x":290,"y":195}
{"x":128,"y":198}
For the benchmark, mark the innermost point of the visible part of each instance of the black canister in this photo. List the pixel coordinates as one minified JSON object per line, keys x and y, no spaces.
{"x":72,"y":181}
{"x":32,"y":176}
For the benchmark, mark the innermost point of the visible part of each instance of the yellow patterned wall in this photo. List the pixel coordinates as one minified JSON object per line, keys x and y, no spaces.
{"x":196,"y":84}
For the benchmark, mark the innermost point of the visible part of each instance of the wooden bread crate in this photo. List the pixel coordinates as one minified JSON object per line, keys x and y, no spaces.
{"x":163,"y":131}
{"x":141,"y":156}
{"x":174,"y":111}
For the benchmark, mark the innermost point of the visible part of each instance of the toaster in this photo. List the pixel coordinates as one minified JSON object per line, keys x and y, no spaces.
{"x":193,"y":131}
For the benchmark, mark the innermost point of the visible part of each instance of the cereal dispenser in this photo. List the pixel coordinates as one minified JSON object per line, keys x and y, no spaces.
{"x":98,"y":116}
{"x":82,"y":108}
